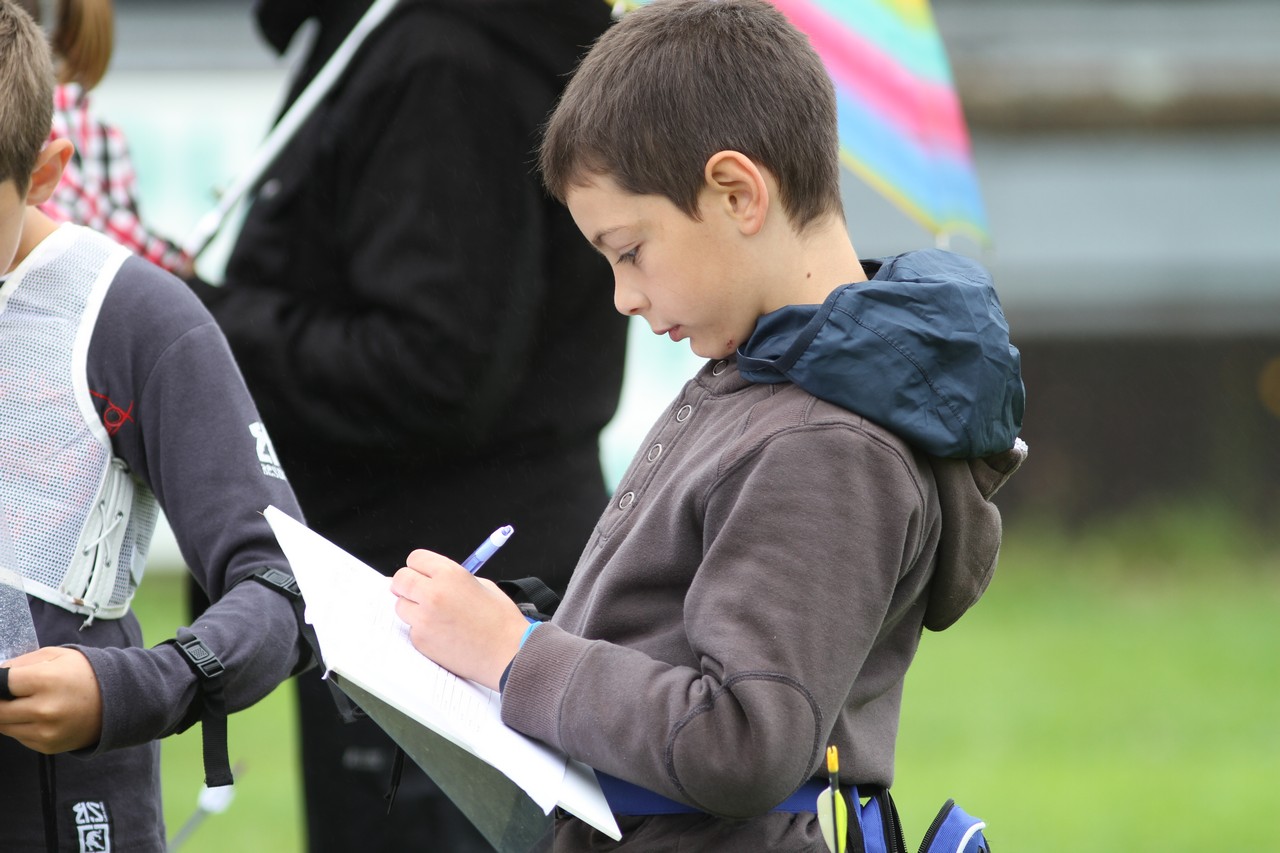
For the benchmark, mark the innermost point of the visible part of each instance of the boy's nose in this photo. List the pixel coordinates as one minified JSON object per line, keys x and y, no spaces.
{"x":627,"y":300}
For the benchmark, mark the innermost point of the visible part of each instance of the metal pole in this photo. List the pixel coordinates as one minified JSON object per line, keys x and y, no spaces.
{"x":298,"y":112}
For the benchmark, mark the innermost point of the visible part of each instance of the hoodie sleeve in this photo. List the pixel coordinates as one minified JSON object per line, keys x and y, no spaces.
{"x":193,"y":436}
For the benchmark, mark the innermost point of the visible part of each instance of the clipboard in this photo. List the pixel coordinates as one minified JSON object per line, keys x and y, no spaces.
{"x":503,"y":781}
{"x":499,"y":809}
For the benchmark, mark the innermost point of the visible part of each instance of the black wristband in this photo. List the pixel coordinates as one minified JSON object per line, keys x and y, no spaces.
{"x":213,"y":712}
{"x":287,"y":585}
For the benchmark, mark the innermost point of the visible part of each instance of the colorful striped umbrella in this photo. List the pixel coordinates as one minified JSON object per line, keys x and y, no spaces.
{"x":902,"y":130}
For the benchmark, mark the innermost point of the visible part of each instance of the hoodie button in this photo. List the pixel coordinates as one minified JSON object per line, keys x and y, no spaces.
{"x":719,"y":368}
{"x":654,"y":453}
{"x":270,"y":189}
{"x":626,"y":500}
{"x":683,"y":414}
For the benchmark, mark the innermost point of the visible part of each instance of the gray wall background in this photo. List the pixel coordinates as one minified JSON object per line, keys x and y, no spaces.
{"x":1129,"y":156}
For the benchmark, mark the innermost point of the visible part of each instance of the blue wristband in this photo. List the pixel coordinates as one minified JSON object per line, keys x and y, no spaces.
{"x":502,"y":682}
{"x":527,"y":632}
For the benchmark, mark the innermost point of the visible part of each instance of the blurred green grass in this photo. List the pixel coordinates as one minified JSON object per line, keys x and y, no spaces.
{"x":1118,"y":688}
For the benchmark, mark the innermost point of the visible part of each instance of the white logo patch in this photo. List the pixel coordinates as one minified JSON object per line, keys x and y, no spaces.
{"x":266,"y":451}
{"x":93,"y":827}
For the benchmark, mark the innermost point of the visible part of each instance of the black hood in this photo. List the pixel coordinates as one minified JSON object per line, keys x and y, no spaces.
{"x":921,"y":348}
{"x":552,"y":34}
{"x":549,"y":34}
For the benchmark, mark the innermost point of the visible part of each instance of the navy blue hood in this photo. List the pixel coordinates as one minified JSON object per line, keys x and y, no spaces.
{"x":921,"y":348}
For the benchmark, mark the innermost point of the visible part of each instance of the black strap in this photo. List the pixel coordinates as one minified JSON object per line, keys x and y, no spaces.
{"x":287,"y":585}
{"x":49,"y":801}
{"x":279,"y":580}
{"x":48,"y":779}
{"x":533,"y":596}
{"x":397,"y":769}
{"x":890,"y":823}
{"x":213,"y":717}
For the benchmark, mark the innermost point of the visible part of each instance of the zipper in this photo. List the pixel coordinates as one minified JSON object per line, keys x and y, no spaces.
{"x":936,"y":826}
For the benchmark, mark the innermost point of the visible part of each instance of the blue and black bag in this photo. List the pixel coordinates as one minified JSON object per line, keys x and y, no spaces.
{"x":875,"y":828}
{"x":955,"y":831}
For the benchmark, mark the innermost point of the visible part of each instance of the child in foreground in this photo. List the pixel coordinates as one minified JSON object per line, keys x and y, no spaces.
{"x":118,"y":398}
{"x":813,"y":498}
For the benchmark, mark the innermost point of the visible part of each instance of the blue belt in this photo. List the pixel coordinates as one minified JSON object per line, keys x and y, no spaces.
{"x":628,"y":799}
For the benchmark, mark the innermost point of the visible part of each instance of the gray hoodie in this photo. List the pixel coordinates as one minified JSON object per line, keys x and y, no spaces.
{"x":755,"y":591}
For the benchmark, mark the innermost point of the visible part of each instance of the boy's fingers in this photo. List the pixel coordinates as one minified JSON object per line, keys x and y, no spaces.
{"x":425,"y":562}
{"x":433,"y":565}
{"x":59,"y":704}
{"x":19,"y":679}
{"x":493,"y":589}
{"x":404,"y":581}
{"x":14,"y":683}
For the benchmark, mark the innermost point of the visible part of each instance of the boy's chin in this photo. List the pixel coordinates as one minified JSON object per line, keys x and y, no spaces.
{"x":703,"y":350}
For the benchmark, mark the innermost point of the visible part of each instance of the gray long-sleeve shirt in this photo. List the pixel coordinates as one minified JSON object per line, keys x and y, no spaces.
{"x":164,"y":381}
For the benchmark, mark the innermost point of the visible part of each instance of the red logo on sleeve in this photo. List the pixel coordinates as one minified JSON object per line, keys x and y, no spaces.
{"x":114,"y":417}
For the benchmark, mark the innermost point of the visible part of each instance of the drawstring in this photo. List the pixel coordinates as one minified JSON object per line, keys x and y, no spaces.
{"x":88,"y":549}
{"x":115,"y":522}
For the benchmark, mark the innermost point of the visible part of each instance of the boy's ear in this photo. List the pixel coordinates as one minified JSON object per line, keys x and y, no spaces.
{"x":739,"y":187}
{"x":50,"y":163}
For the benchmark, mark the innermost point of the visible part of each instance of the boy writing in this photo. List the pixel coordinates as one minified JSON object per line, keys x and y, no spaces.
{"x":812,"y":499}
{"x":118,"y":397}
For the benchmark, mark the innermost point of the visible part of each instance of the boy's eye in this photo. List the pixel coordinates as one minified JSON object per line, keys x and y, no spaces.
{"x":629,"y":257}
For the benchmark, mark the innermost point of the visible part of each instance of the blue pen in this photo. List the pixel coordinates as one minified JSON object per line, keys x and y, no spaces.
{"x":488,"y":548}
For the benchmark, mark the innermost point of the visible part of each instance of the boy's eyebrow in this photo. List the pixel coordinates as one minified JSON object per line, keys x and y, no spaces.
{"x":598,"y":240}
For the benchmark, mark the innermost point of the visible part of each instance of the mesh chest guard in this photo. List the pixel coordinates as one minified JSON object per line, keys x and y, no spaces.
{"x":80,"y":525}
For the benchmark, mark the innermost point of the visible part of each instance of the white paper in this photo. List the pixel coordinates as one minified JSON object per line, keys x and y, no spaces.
{"x":352,"y":609}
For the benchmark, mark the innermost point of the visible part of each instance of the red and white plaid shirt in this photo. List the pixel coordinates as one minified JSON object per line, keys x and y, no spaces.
{"x":97,"y":188}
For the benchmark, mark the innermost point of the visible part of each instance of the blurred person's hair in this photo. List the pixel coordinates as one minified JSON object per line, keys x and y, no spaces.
{"x":83,"y":38}
{"x":26,"y":94}
{"x":676,"y":81}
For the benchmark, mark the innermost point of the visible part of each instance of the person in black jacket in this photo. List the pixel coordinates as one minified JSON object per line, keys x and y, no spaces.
{"x":431,"y":343}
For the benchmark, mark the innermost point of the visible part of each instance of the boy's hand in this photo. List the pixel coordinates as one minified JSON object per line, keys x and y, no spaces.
{"x":57,"y":705}
{"x":465,"y":624}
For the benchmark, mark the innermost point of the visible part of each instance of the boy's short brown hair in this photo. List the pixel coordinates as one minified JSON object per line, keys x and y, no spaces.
{"x":676,"y":81}
{"x":26,"y":94}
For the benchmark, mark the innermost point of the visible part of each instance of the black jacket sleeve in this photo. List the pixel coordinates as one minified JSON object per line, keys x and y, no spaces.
{"x":389,"y":278}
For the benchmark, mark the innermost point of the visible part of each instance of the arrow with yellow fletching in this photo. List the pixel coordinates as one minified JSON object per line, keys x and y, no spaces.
{"x":833,"y":814}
